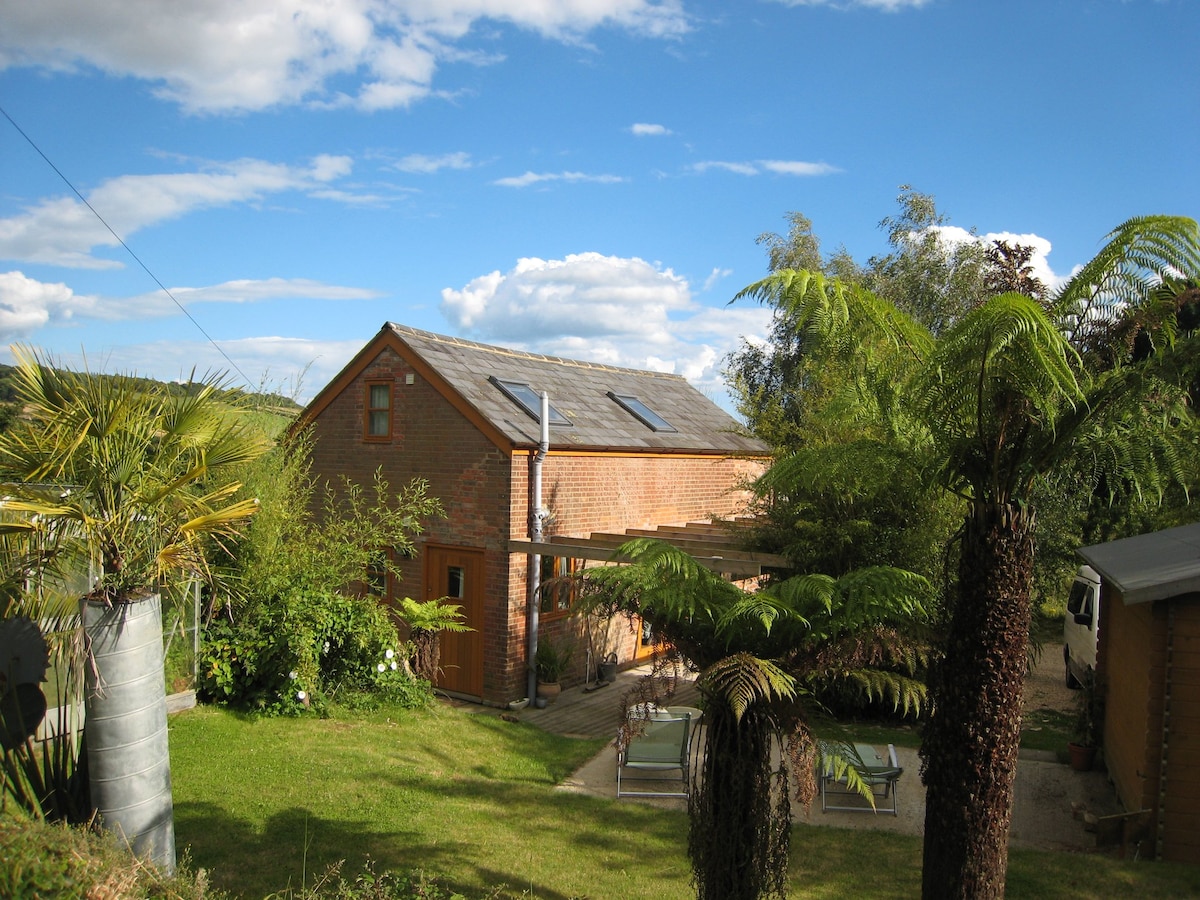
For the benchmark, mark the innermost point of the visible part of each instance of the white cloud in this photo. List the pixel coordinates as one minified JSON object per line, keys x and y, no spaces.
{"x":734,"y":167}
{"x":421,"y":164}
{"x":243,"y":55}
{"x":620,"y":311}
{"x":714,"y":276}
{"x":27,"y":305}
{"x":952,"y":234}
{"x":158,"y":304}
{"x":63,"y":231}
{"x":795,"y":167}
{"x":643,"y":129}
{"x":774,"y":166}
{"x":520,"y":181}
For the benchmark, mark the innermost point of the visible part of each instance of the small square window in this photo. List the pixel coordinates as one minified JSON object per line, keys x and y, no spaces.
{"x":379,"y":410}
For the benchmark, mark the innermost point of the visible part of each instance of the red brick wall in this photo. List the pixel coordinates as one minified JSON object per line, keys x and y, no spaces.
{"x":588,"y":493}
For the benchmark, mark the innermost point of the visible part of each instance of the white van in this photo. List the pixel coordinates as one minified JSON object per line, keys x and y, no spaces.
{"x":1081,"y":626}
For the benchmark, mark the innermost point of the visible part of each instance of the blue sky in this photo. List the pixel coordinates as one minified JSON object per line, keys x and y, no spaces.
{"x":583,"y":178}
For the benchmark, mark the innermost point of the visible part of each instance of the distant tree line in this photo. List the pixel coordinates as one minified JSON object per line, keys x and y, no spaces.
{"x":267,"y":401}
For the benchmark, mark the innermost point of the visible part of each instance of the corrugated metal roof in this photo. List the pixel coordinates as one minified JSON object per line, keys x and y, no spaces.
{"x":579,"y":390}
{"x":1150,"y":566}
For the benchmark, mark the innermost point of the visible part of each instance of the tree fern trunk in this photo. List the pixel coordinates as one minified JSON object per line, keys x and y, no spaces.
{"x":970,"y":748}
{"x":738,"y":811}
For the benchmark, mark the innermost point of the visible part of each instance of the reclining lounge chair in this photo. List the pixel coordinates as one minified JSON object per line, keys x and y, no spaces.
{"x":875,"y":770}
{"x":657,"y":743}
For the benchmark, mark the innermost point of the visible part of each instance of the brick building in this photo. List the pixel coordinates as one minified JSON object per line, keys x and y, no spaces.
{"x":629,"y":452}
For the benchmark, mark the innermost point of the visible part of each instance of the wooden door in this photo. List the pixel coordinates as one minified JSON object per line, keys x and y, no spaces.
{"x":457,"y":574}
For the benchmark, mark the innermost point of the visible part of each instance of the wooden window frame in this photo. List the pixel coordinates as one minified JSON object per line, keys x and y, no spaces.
{"x":369,"y":410}
{"x":561,"y":565}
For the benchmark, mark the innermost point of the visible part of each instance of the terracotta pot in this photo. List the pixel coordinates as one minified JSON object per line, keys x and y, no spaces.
{"x":1082,"y":757}
{"x":549,"y":690}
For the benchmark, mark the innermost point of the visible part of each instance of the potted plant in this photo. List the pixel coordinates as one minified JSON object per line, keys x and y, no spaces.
{"x":1089,"y":723}
{"x":550,"y":663}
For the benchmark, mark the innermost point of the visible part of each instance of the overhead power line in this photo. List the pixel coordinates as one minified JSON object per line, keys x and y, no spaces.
{"x":121,"y":241}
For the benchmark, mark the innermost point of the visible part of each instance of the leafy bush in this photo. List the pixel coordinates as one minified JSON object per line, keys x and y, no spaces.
{"x":325,"y":646}
{"x":42,"y":860}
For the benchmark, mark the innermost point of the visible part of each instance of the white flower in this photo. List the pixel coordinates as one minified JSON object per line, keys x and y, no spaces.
{"x":394,"y":665}
{"x":300,"y":695}
{"x":390,"y":654}
{"x":327,"y":646}
{"x":293,"y":674}
{"x":381,"y":667}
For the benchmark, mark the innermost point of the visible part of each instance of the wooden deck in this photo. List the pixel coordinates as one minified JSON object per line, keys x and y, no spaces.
{"x":597,"y":712}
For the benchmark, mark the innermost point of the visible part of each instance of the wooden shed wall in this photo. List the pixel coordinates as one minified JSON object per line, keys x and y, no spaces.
{"x":1181,"y":813}
{"x":1133,"y":715}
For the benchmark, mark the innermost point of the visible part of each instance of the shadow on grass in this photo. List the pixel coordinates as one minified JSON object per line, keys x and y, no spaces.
{"x":475,"y":832}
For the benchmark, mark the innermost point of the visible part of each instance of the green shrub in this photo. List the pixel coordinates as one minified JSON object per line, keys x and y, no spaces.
{"x":290,"y":636}
{"x":324,"y":646}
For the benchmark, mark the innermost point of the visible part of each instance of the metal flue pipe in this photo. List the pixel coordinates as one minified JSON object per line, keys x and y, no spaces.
{"x":535,"y":534}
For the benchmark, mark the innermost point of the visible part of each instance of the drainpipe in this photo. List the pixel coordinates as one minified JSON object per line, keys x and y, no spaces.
{"x":535,"y":561}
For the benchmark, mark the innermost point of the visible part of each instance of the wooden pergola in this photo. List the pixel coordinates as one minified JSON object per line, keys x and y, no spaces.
{"x":715,"y":545}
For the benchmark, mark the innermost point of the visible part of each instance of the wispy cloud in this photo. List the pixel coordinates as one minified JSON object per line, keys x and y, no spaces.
{"x":885,"y":5}
{"x":531,"y":178}
{"x":63,"y":231}
{"x":420,"y":164}
{"x":245,"y":55}
{"x":795,"y":167}
{"x":773,"y":166}
{"x":27,"y":304}
{"x":644,"y":129}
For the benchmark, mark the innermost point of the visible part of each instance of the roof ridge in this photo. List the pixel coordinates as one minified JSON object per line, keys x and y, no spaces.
{"x":402,"y":330}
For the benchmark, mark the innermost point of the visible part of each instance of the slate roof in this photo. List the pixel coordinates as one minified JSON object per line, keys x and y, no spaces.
{"x":579,"y":390}
{"x":1150,"y":567}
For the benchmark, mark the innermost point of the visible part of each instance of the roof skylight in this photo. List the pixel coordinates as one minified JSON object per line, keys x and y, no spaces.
{"x":642,"y":412}
{"x":528,"y":399}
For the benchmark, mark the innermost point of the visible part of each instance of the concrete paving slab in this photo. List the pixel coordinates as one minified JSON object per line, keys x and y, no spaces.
{"x":1049,"y":798}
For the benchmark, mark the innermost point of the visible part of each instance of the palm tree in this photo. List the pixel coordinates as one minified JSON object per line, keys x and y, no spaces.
{"x":761,"y":657}
{"x":130,"y":472}
{"x":999,"y":400}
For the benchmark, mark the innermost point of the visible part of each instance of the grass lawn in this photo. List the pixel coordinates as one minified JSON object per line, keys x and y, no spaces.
{"x":266,"y":804}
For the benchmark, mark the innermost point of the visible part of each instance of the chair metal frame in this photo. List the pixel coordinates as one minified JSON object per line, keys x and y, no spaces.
{"x":657,"y":743}
{"x":873,"y":769}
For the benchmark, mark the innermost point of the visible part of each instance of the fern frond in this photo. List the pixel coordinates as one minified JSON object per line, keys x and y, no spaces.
{"x":742,"y":680}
